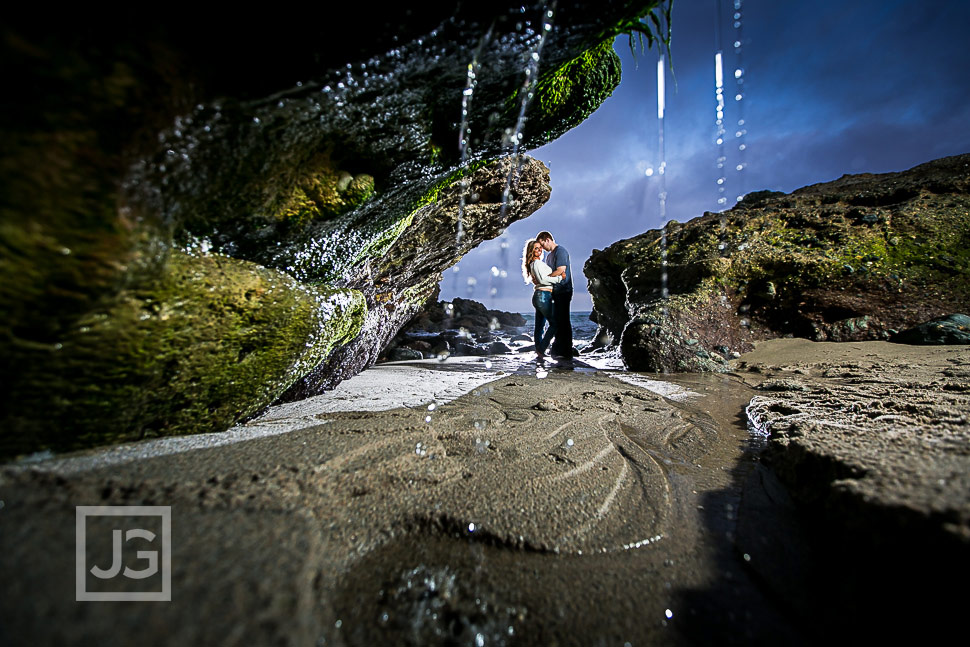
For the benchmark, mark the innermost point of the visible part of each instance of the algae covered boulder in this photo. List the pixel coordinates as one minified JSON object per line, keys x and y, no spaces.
{"x":859,"y":258}
{"x":210,"y":341}
{"x":407,"y":275}
{"x":952,"y":329}
{"x":198,"y":219}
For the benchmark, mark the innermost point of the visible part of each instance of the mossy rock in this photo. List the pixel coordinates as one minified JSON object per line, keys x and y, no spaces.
{"x":301,"y":157}
{"x":212,"y":341}
{"x":325,"y":191}
{"x":850,"y":260}
{"x":567,"y":95}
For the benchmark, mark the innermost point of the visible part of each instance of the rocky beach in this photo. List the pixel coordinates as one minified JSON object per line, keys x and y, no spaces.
{"x":576,"y":508}
{"x":236,"y":412}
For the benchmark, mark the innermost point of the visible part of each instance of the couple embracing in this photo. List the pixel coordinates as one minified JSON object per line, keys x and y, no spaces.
{"x":553,"y":290}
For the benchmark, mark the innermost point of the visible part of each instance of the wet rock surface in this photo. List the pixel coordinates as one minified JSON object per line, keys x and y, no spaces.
{"x":860,"y":258}
{"x":952,"y":329}
{"x":873,"y":448}
{"x":270,"y":141}
{"x":397,"y":284}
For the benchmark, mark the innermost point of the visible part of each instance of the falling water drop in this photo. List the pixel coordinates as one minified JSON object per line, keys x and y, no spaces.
{"x":464,"y":132}
{"x":720,"y":131}
{"x":526,"y":92}
{"x":662,"y":195}
{"x":739,"y":95}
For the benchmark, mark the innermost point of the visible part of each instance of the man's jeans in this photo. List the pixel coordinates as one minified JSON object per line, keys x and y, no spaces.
{"x":564,"y":330}
{"x":542,"y":300}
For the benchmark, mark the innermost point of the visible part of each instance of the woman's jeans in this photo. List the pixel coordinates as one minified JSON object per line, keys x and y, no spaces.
{"x":542,"y":300}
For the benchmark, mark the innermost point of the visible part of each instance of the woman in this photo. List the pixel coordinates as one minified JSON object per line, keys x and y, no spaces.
{"x":536,"y":272}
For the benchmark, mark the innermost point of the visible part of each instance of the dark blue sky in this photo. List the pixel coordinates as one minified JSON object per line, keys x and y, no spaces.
{"x":830,"y":87}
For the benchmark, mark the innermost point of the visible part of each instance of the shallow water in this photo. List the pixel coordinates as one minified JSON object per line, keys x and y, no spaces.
{"x":687,"y":583}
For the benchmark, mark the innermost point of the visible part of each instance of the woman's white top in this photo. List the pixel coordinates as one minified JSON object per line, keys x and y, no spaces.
{"x":540,"y":272}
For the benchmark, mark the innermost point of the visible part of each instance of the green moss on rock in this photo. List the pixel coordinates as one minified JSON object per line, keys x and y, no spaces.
{"x":567,"y":95}
{"x":212,"y":341}
{"x":324,"y":192}
{"x":854,"y":259}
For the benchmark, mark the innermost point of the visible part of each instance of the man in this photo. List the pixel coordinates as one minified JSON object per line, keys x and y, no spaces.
{"x":562,"y":294}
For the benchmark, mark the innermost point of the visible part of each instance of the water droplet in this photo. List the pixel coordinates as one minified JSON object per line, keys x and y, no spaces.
{"x":747,"y":557}
{"x":472,"y":527}
{"x":255,"y":120}
{"x":649,"y":171}
{"x":427,"y":419}
{"x":432,"y":406}
{"x":488,"y":363}
{"x":669,"y":614}
{"x":338,"y":624}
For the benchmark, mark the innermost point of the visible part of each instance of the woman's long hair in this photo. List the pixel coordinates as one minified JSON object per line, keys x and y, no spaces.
{"x":527,"y":252}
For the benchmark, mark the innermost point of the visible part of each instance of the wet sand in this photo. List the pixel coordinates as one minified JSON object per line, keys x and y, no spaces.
{"x":570,"y":509}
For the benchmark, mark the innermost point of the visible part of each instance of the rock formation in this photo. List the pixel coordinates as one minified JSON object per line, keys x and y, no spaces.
{"x":463,"y":327}
{"x":859,"y":258}
{"x":199,"y":208}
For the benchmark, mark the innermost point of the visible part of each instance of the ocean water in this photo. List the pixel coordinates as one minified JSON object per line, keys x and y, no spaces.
{"x":583,"y":329}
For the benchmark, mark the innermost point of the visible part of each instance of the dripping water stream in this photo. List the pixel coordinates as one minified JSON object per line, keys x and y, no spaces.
{"x":662,"y":170}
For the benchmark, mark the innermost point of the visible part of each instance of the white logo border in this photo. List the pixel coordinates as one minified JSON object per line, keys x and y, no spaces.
{"x":82,"y":512}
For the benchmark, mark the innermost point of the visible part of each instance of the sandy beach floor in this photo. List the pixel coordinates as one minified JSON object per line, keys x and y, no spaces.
{"x":504,"y":506}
